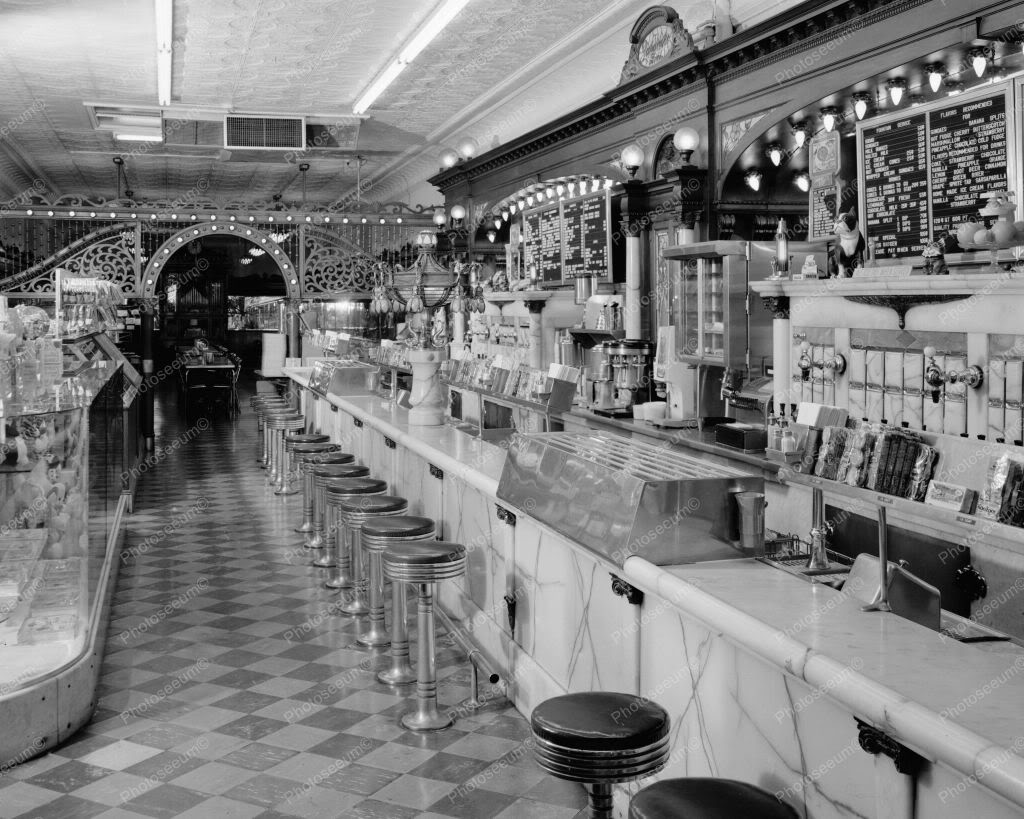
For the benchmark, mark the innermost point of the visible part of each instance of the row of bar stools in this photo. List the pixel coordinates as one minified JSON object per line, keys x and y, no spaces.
{"x":424,"y":564}
{"x":290,"y":442}
{"x":376,"y":536}
{"x":279,"y":424}
{"x":354,"y":512}
{"x":266,"y":411}
{"x":338,"y":465}
{"x":347,"y":574}
{"x":306,"y":457}
{"x":260,"y":405}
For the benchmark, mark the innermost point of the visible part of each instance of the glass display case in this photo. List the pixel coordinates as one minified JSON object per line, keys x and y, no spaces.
{"x":62,"y":503}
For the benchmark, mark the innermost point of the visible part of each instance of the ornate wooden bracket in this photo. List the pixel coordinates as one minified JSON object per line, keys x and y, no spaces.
{"x":877,"y":742}
{"x":505,"y":516}
{"x":903,"y":304}
{"x":778,"y":306}
{"x":436,"y":472}
{"x":632,"y":594}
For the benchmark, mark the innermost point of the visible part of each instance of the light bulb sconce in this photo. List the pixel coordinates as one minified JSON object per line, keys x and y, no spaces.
{"x":686,"y":140}
{"x":632,"y":158}
{"x":896,"y":88}
{"x":980,"y":57}
{"x":803,"y":181}
{"x":836,"y":364}
{"x":936,"y":379}
{"x":831,"y":117}
{"x":753,"y":179}
{"x":800,"y":134}
{"x":492,"y":234}
{"x":861,"y":101}
{"x":936,"y":74}
{"x":775,"y":152}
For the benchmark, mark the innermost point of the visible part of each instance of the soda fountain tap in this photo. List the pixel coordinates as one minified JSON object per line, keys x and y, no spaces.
{"x":836,"y":364}
{"x":936,"y":378}
{"x":820,"y":531}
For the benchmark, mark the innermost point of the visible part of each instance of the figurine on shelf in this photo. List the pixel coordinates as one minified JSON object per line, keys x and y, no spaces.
{"x":848,"y":253}
{"x":934,"y":262}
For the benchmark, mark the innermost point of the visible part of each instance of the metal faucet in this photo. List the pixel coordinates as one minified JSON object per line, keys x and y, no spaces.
{"x":820,"y":531}
{"x":837,"y":363}
{"x":936,"y":379}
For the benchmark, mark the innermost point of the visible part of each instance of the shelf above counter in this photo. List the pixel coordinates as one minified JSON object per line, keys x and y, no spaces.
{"x":525,"y":296}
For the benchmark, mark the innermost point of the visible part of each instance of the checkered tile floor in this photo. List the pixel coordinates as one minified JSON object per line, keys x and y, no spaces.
{"x":231,"y":688}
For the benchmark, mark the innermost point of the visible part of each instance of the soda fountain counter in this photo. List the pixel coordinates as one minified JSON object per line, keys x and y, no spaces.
{"x":65,"y":493}
{"x":768,"y":677}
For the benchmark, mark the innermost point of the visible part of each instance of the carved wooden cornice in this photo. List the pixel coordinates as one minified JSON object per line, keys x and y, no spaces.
{"x":773,"y":41}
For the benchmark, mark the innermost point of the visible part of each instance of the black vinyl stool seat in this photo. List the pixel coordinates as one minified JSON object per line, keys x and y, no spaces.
{"x":305,"y":438}
{"x":404,"y":526}
{"x":348,"y":570}
{"x":306,"y":455}
{"x":354,"y":512}
{"x":424,"y":563}
{"x":707,"y":798}
{"x":332,"y":465}
{"x":600,"y":738}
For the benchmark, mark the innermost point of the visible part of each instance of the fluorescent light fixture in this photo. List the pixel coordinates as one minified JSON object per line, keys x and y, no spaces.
{"x":164,"y":46}
{"x":433,"y":26}
{"x":138,"y":137}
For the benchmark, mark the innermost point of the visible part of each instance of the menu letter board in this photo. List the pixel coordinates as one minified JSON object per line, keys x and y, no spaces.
{"x":595,"y":235}
{"x":896,"y":186}
{"x":968,"y":157}
{"x":925,"y":173}
{"x":573,"y":262}
{"x":570,"y":239}
{"x":549,"y":261}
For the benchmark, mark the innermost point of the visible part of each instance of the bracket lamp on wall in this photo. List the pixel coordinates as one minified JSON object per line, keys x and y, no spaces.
{"x":775,"y":153}
{"x":686,"y":141}
{"x":632,"y":158}
{"x":802,"y":181}
{"x":458,"y":213}
{"x":753,"y":179}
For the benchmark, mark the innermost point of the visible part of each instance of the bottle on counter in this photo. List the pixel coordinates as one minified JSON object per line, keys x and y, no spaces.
{"x":787,"y":442}
{"x":772,"y":429}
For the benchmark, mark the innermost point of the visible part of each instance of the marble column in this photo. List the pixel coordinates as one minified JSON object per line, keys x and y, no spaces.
{"x":782,"y":383}
{"x":534,"y":308}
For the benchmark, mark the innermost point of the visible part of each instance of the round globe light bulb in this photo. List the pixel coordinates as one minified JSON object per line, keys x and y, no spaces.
{"x":686,"y":139}
{"x":468,"y":147}
{"x":458,"y":212}
{"x":632,"y":155}
{"x":449,"y":158}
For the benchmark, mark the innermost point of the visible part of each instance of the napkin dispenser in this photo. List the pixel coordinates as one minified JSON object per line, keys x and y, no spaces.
{"x":745,"y":437}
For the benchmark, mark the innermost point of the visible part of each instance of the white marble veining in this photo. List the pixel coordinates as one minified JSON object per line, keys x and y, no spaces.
{"x":951,"y":702}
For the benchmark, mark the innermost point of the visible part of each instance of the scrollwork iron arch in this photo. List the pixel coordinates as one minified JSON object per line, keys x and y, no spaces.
{"x":286,"y":265}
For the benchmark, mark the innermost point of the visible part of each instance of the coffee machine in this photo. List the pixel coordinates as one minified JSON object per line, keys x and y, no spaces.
{"x":626,"y":368}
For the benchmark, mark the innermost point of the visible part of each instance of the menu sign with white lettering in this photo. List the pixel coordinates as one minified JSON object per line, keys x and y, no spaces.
{"x":968,"y":156}
{"x":896,"y":185}
{"x":923,"y":174}
{"x":570,"y":239}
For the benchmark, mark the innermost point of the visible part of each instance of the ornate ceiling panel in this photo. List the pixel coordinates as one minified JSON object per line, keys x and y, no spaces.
{"x":497,"y":71}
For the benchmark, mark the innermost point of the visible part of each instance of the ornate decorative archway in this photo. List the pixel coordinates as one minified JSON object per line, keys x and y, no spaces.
{"x":260,"y":238}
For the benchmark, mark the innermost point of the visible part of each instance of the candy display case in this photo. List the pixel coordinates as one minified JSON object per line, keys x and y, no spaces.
{"x":61,"y":510}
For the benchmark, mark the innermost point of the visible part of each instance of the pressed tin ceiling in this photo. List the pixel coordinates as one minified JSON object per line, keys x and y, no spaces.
{"x":495,"y":72}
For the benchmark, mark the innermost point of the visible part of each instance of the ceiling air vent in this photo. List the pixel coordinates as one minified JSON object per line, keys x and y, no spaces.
{"x":264,"y":133}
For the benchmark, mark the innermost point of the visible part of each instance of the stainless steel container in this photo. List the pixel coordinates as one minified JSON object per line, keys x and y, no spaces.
{"x":620,"y":497}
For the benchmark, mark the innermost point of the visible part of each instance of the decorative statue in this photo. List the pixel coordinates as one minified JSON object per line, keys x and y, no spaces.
{"x":439,"y":331}
{"x":848,"y":254}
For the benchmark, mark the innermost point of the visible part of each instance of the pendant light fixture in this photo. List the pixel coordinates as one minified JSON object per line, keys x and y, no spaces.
{"x":896,"y":87}
{"x":802,"y":181}
{"x":800,"y":134}
{"x":829,"y":117}
{"x":860,"y":104}
{"x":775,"y":153}
{"x":936,"y":73}
{"x":753,"y":179}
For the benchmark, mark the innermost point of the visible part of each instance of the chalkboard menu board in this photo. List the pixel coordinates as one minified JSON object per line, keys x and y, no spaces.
{"x":923,"y":174}
{"x":822,"y":211}
{"x":569,"y":239}
{"x":896,"y":185}
{"x":968,"y":156}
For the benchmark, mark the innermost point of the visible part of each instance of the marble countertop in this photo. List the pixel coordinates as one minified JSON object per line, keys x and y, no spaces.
{"x":475,"y":461}
{"x":951,"y":702}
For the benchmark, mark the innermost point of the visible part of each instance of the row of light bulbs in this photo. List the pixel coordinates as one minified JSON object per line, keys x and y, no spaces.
{"x":465,"y":149}
{"x":193,"y":218}
{"x":896,"y":87}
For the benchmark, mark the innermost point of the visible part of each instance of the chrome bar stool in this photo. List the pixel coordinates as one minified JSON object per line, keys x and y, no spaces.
{"x":347,"y":575}
{"x":336,"y":467}
{"x":706,"y":798}
{"x":425,"y":564}
{"x":259,"y":405}
{"x":266,"y":411}
{"x":600,"y":738}
{"x":356,"y":512}
{"x":306,"y":457}
{"x":290,"y":440}
{"x":376,"y":536}
{"x":279,"y":425}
